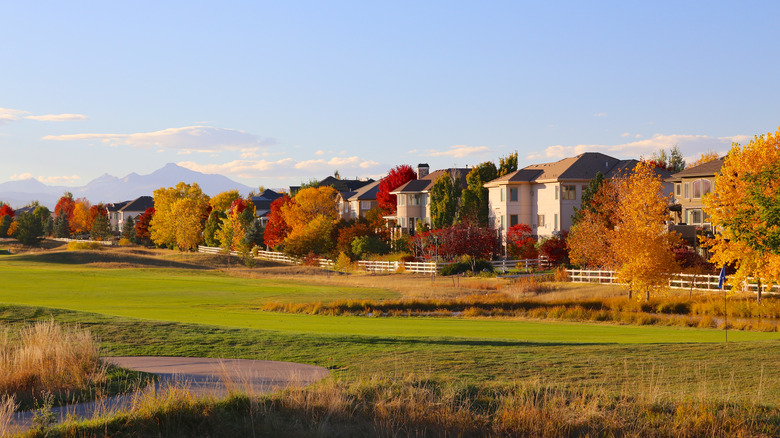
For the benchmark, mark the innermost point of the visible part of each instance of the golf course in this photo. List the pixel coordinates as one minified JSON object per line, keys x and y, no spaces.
{"x":169,"y":304}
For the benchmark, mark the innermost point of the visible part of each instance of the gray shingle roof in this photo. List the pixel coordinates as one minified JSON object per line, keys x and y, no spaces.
{"x":710,"y":168}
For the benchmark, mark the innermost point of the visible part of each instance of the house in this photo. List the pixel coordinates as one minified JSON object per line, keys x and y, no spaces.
{"x":690,"y":186}
{"x":355,"y":204}
{"x":545,"y":195}
{"x":341,"y":185}
{"x":133,"y":209}
{"x":263,"y":204}
{"x":115,"y":215}
{"x":413,"y":198}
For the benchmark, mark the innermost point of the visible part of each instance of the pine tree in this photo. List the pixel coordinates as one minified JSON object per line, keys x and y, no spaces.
{"x":128,"y":230}
{"x":61,"y":225}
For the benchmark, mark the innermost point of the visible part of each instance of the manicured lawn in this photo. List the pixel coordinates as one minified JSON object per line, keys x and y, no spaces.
{"x":208,"y":297}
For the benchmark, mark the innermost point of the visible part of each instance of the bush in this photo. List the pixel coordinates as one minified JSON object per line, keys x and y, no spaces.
{"x":80,"y":246}
{"x":124,"y":242}
{"x":461,"y":267}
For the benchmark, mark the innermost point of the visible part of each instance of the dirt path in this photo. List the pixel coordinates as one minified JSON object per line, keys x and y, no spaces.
{"x":201,"y":376}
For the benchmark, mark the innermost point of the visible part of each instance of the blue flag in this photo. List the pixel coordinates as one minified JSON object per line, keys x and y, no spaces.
{"x":722,"y":277}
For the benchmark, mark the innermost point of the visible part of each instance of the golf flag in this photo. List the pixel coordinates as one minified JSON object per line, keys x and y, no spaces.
{"x":722,"y":277}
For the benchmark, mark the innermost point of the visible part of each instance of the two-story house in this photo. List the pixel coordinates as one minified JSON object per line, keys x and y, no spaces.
{"x":355,"y":204}
{"x":545,"y":195}
{"x":690,"y":186}
{"x":413,"y":198}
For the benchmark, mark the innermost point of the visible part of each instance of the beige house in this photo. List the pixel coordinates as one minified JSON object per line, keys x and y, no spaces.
{"x":690,"y":186}
{"x":355,"y":204}
{"x":545,"y":195}
{"x":413,"y":198}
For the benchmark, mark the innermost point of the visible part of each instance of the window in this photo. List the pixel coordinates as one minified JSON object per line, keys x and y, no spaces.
{"x":513,"y":194}
{"x":678,"y":189}
{"x":568,"y":192}
{"x":365,"y":205}
{"x":502,"y":222}
{"x":424,"y":199}
{"x":540,"y":220}
{"x":700,"y":188}
{"x":512,"y":220}
{"x":414,"y":199}
{"x":696,"y":216}
{"x":686,"y":190}
{"x":502,"y":194}
{"x":401,"y":199}
{"x":555,"y":227}
{"x":556,"y":192}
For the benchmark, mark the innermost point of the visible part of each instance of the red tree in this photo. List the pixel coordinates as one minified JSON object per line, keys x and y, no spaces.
{"x":555,"y":248}
{"x":6,"y":210}
{"x":66,"y":204}
{"x":277,"y":229}
{"x":94,"y":212}
{"x":520,"y":242}
{"x":455,"y":241}
{"x":142,"y":225}
{"x":397,"y":176}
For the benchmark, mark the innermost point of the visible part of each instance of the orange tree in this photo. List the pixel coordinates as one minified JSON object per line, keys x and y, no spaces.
{"x":625,"y":231}
{"x":311,"y":216}
{"x":79,"y":221}
{"x":746,"y":206}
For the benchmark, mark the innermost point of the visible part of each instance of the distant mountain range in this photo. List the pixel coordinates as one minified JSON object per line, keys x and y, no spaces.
{"x":109,"y":188}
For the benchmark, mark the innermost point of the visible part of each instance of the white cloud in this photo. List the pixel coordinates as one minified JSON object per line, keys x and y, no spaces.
{"x":247,"y":153}
{"x":288,"y":168}
{"x":8,"y":115}
{"x":46,"y":179}
{"x":58,"y":117}
{"x":600,"y":115}
{"x":459,"y":151}
{"x":691,"y":146}
{"x":625,"y":134}
{"x":188,"y":139}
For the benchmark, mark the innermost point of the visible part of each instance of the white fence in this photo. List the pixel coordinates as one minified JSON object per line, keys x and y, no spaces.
{"x":382,"y":266}
{"x":99,"y":242}
{"x":678,"y":281}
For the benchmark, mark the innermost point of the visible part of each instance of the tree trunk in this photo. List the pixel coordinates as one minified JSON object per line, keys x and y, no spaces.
{"x":647,"y":294}
{"x":630,"y":294}
{"x":758,"y":294}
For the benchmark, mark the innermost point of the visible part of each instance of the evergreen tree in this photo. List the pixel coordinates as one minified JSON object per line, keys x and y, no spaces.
{"x":62,"y":225}
{"x":5,"y":224}
{"x":128,"y":230}
{"x":101,"y":228}
{"x":29,"y":229}
{"x":474,"y":206}
{"x":444,"y":202}
{"x":254,"y":234}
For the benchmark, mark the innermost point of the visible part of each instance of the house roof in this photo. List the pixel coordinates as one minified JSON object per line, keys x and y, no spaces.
{"x":710,"y":168}
{"x":583,"y":167}
{"x":344,"y":185}
{"x":424,"y":184}
{"x":264,"y":200}
{"x":117,"y":206}
{"x":139,"y":204}
{"x":366,"y":193}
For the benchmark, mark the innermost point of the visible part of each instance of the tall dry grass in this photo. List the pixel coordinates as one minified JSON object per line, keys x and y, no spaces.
{"x":418,"y":406}
{"x":48,"y":357}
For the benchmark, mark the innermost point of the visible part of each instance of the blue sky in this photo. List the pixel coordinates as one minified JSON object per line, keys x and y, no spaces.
{"x":275,"y":93}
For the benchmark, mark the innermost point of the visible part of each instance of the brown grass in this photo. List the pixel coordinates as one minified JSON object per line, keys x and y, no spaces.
{"x":419,"y":406}
{"x":48,"y":357}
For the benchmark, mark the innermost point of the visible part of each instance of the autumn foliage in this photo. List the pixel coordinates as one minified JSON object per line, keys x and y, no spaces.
{"x":142,"y":226}
{"x":276,"y":229}
{"x":397,"y":177}
{"x":463,"y":239}
{"x":746,"y":204}
{"x":520,"y":243}
{"x":6,"y":210}
{"x":66,"y":204}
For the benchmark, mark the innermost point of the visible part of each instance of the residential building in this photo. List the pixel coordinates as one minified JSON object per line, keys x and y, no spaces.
{"x":133,"y":209}
{"x":341,"y":185}
{"x":544,"y":196}
{"x":355,"y":204}
{"x":413,"y":200}
{"x":690,"y":186}
{"x":263,"y":204}
{"x":115,"y":215}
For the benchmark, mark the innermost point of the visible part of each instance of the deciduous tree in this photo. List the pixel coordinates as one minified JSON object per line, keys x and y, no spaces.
{"x":6,"y":210}
{"x":79,"y":220}
{"x":142,"y":232}
{"x":705,"y":157}
{"x":223,"y":201}
{"x":507,"y":164}
{"x":395,"y":178}
{"x":313,"y":211}
{"x":277,"y":229}
{"x":67,"y":204}
{"x":180,"y":213}
{"x":520,"y":242}
{"x":746,"y":205}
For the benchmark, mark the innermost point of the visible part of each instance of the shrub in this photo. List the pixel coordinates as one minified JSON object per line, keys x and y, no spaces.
{"x":461,"y":267}
{"x":81,"y":246}
{"x":125,"y":242}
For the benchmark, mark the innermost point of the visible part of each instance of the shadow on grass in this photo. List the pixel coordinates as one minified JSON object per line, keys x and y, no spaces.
{"x":108,"y":257}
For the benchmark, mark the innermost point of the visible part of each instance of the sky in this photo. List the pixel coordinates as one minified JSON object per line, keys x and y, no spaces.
{"x":275,"y":93}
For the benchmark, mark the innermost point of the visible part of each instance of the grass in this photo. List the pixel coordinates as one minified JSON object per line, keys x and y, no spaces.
{"x":491,"y":370}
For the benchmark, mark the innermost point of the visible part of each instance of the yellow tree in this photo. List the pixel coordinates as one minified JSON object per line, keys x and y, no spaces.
{"x":176,"y":223}
{"x":745,"y":204}
{"x":641,"y":247}
{"x":706,"y":157}
{"x":312,"y":213}
{"x":223,"y":201}
{"x":231,"y":233}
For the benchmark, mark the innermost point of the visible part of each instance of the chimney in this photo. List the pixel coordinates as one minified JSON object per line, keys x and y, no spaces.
{"x":422,"y":170}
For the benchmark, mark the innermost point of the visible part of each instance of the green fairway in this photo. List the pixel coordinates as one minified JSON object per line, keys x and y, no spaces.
{"x":208,"y":297}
